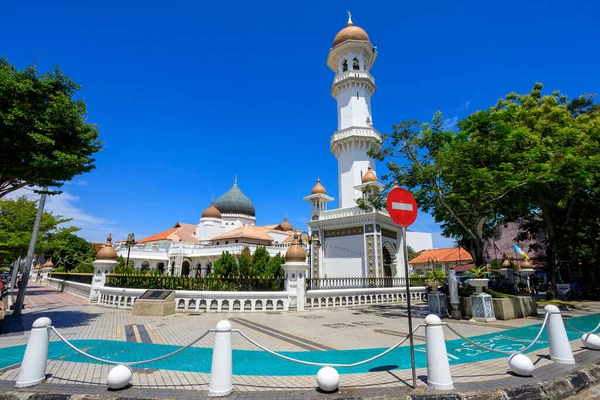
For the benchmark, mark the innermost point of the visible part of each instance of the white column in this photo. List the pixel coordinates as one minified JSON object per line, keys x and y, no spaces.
{"x":295,"y":282}
{"x":101,"y":268}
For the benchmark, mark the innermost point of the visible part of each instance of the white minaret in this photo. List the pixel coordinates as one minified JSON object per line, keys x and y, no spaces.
{"x":351,"y":58}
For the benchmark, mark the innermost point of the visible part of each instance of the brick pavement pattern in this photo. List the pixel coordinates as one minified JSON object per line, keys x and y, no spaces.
{"x":366,"y":327}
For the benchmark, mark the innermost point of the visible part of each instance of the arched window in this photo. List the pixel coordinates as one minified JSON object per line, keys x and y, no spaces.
{"x":355,"y":64}
{"x":208,"y":268}
{"x":161,"y":267}
{"x":345,"y":66}
{"x":145,"y":266}
{"x":185,"y":268}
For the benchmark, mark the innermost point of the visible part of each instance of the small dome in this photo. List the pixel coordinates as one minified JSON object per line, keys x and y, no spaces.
{"x":526,"y":265}
{"x":506,"y":263}
{"x":319,"y":189}
{"x":48,"y":263}
{"x":107,"y":252}
{"x":295,"y":253}
{"x":350,"y":32}
{"x":211,"y":211}
{"x":286,"y":225}
{"x":235,"y":202}
{"x":369,"y":176}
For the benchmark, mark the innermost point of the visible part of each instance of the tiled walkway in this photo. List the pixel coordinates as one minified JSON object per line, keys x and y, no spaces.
{"x":314,"y":331}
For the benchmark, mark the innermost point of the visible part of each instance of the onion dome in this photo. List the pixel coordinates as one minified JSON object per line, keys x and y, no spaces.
{"x":351,"y":32}
{"x":48,"y":263}
{"x":369,"y":176}
{"x":211,"y":211}
{"x":295,"y":253}
{"x":107,"y":252}
{"x":235,"y":202}
{"x":319,"y":189}
{"x":506,"y":263}
{"x":286,"y":225}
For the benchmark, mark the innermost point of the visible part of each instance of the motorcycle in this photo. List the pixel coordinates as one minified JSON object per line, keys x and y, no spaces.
{"x":425,"y":294}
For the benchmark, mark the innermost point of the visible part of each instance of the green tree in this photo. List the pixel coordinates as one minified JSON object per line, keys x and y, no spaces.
{"x":412,"y":253}
{"x":44,"y":137}
{"x":69,"y":250}
{"x":245,"y":262}
{"x":275,"y":266}
{"x":17,"y":218}
{"x":450,"y":176}
{"x":226,"y":265}
{"x":123,"y":268}
{"x":260,"y":259}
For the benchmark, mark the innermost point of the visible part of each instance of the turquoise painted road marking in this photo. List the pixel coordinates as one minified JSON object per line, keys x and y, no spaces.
{"x":256,"y":362}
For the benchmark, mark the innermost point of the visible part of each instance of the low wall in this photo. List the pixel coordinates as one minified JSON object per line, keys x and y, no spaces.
{"x":77,"y":289}
{"x":196,"y":301}
{"x":355,"y":297}
{"x":505,"y":308}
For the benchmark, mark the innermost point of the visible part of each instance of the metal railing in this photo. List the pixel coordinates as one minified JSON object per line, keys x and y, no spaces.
{"x":72,"y":277}
{"x":209,"y":283}
{"x":361,"y":283}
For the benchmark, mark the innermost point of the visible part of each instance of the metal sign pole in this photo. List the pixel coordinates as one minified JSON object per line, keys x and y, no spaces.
{"x":410,"y":326}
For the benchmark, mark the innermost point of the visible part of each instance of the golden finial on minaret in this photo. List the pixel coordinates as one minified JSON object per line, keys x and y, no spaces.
{"x":349,"y":18}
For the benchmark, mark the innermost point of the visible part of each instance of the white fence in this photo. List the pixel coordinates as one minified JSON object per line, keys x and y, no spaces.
{"x":77,"y":289}
{"x":355,"y":297}
{"x":196,"y":301}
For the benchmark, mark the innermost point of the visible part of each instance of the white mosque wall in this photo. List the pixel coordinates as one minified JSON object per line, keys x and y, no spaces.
{"x":353,"y":107}
{"x":345,"y":256}
{"x":350,"y":165}
{"x":211,"y":227}
{"x":278,"y":237}
{"x":419,"y":240}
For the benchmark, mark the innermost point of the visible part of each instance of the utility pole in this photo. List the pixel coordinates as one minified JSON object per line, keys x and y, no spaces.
{"x":29,"y":258}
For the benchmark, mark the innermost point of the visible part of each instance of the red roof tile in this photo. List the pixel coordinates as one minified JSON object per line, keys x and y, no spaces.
{"x":181,"y":232}
{"x":452,"y":254}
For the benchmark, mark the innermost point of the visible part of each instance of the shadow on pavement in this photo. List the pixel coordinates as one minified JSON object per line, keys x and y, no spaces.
{"x":18,"y":325}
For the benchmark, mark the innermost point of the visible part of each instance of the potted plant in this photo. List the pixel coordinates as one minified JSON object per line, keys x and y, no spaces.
{"x":435,"y":278}
{"x":479,"y":280}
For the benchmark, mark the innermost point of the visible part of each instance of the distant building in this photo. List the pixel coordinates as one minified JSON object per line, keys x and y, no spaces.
{"x":441,"y":259}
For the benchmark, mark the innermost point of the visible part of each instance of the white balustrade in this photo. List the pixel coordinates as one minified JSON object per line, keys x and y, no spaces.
{"x":355,"y":297}
{"x":77,"y":289}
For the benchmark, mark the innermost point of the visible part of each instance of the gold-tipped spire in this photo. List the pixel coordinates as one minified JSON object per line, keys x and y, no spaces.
{"x":349,"y":18}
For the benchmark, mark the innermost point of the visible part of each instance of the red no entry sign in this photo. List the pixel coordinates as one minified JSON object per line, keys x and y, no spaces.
{"x":402,"y":207}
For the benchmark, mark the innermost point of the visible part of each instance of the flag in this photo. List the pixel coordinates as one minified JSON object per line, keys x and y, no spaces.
{"x":521,"y":252}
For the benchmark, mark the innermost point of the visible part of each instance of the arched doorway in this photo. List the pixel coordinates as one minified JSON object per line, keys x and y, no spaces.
{"x":390,"y":269}
{"x":161,"y":267}
{"x":172,"y":268}
{"x":387,"y":263}
{"x":145,"y":265}
{"x":208,"y":268}
{"x":185,"y":268}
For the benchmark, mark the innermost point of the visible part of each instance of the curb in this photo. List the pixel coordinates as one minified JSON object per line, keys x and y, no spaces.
{"x":558,"y":388}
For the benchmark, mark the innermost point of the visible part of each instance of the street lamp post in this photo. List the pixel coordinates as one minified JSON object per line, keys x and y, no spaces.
{"x":130,"y":242}
{"x":310,"y":239}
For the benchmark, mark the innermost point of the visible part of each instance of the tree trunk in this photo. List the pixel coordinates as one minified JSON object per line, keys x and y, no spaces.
{"x":552,"y":291}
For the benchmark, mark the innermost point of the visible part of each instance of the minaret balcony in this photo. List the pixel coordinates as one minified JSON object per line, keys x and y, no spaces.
{"x":351,"y":79}
{"x":355,"y":132}
{"x":355,"y":74}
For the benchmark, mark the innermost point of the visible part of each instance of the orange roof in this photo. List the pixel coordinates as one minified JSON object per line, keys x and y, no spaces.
{"x":452,"y":254}
{"x":179,"y":233}
{"x":246,"y":231}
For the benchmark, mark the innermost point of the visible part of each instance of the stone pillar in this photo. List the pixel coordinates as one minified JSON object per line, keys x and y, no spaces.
{"x":482,"y":307}
{"x":438,"y":304}
{"x":106,"y":262}
{"x":454,"y":300}
{"x":295,"y":269}
{"x":204,"y":269}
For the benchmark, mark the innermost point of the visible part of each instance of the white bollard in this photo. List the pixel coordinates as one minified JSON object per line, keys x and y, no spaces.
{"x":560,"y":348}
{"x":328,"y":379}
{"x":521,"y":365}
{"x":438,"y":367}
{"x":591,"y":341}
{"x":33,"y":367}
{"x":221,"y":371}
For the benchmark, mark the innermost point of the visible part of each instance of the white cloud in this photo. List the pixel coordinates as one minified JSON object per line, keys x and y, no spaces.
{"x":93,"y":228}
{"x":450,"y":123}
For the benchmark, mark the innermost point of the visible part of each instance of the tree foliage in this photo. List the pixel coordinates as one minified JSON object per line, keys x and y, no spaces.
{"x":17,"y":218}
{"x":531,"y":158}
{"x":69,"y":250}
{"x":226,"y":265}
{"x":275,"y":266}
{"x":260,"y":260}
{"x":245,"y":262}
{"x":44,"y":137}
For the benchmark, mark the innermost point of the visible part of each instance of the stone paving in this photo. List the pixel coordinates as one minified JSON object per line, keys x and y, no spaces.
{"x":378,"y":326}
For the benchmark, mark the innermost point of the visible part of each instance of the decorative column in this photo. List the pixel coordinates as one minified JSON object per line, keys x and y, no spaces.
{"x":106,"y":262}
{"x":295,"y":268}
{"x":482,"y":305}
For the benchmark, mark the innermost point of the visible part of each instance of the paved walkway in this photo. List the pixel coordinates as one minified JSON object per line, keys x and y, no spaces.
{"x":313,"y":334}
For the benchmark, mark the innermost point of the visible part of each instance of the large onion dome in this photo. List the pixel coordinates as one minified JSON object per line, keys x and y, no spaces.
{"x":235,"y":202}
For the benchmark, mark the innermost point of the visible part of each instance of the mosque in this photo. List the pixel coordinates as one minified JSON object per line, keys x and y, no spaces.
{"x":346,"y":241}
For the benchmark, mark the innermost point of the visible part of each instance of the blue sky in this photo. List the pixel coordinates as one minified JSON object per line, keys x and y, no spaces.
{"x":188,"y":94}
